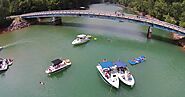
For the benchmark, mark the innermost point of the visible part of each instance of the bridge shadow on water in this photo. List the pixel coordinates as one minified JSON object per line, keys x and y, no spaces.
{"x":99,"y":27}
{"x":121,"y":29}
{"x":161,"y":38}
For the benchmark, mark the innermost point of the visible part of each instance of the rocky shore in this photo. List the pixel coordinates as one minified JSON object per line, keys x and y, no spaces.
{"x":17,"y":24}
{"x":179,"y":39}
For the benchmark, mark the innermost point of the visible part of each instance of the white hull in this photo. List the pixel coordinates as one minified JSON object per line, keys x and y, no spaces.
{"x":114,"y":81}
{"x":77,"y":42}
{"x":5,"y":63}
{"x":127,"y":78}
{"x":52,"y":69}
{"x":81,"y":39}
{"x":4,"y":67}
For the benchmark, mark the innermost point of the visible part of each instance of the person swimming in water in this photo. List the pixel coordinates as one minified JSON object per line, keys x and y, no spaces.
{"x":42,"y":83}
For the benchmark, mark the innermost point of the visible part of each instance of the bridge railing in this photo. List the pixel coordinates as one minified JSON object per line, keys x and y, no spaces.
{"x":150,"y":21}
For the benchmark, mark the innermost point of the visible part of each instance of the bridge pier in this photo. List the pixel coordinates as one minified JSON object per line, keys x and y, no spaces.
{"x":149,"y":33}
{"x":38,"y":19}
{"x":56,"y":20}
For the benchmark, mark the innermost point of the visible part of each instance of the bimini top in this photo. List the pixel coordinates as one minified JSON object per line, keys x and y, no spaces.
{"x":120,"y":64}
{"x":107,"y":64}
{"x":56,"y":62}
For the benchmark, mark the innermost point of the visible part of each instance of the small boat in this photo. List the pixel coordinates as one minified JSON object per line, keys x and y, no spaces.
{"x":7,"y":61}
{"x":80,"y":39}
{"x":137,"y":60}
{"x":124,"y":74}
{"x":4,"y":63}
{"x":57,"y":65}
{"x":3,"y":66}
{"x":109,"y":73}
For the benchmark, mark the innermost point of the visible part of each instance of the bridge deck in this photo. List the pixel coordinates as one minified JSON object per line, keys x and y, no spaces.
{"x":108,"y":15}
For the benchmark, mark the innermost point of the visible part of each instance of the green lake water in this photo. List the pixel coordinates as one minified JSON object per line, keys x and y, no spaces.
{"x":33,"y":49}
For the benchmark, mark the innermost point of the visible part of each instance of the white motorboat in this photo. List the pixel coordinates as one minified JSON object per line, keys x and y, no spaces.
{"x":124,"y":74}
{"x":3,"y":66}
{"x":109,"y":73}
{"x":80,"y":39}
{"x":4,"y":63}
{"x":58,"y":64}
{"x":7,"y":61}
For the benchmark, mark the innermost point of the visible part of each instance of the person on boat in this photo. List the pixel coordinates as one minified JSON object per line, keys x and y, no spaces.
{"x":107,"y":74}
{"x":135,"y":60}
{"x":143,"y":58}
{"x":123,"y":76}
{"x":7,"y":61}
{"x":129,"y":76}
{"x":104,"y":60}
{"x":49,"y":69}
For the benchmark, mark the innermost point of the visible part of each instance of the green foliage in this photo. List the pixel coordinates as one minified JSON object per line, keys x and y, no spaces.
{"x":13,"y":7}
{"x":170,"y":19}
{"x":4,"y":11}
{"x":182,"y":23}
{"x":172,"y":11}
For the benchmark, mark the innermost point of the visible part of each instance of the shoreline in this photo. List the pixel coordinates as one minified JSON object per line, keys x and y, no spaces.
{"x":180,"y":40}
{"x":3,"y":30}
{"x":19,"y":23}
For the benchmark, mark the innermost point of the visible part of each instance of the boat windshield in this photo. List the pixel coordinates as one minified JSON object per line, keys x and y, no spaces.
{"x":56,"y":62}
{"x":82,"y":35}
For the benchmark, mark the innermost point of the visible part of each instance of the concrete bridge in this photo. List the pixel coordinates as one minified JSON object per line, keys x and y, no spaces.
{"x":151,"y":22}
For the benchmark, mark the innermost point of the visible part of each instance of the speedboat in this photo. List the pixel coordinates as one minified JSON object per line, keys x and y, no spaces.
{"x":124,"y":74}
{"x":135,"y":61}
{"x":7,"y":61}
{"x":57,"y":65}
{"x":4,"y":63}
{"x":3,"y":66}
{"x":80,"y":39}
{"x":108,"y":73}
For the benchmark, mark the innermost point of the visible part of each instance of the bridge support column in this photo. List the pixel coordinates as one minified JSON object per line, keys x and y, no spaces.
{"x":149,"y":33}
{"x":38,"y":20}
{"x":56,"y":20}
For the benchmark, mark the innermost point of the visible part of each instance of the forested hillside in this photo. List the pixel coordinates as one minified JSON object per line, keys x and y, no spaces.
{"x":172,"y":11}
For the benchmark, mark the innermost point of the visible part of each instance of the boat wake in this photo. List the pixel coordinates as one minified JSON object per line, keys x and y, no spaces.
{"x":13,"y":44}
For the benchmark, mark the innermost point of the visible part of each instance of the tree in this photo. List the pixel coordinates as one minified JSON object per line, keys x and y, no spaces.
{"x":160,"y":9}
{"x":175,"y":10}
{"x":170,"y":19}
{"x":4,"y":12}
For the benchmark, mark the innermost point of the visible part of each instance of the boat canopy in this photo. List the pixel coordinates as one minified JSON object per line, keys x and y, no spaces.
{"x":120,"y":64}
{"x":56,"y":62}
{"x":142,"y":56}
{"x":107,"y":64}
{"x":81,"y":36}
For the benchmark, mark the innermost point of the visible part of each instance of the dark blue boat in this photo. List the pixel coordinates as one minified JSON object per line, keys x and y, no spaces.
{"x":137,"y":60}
